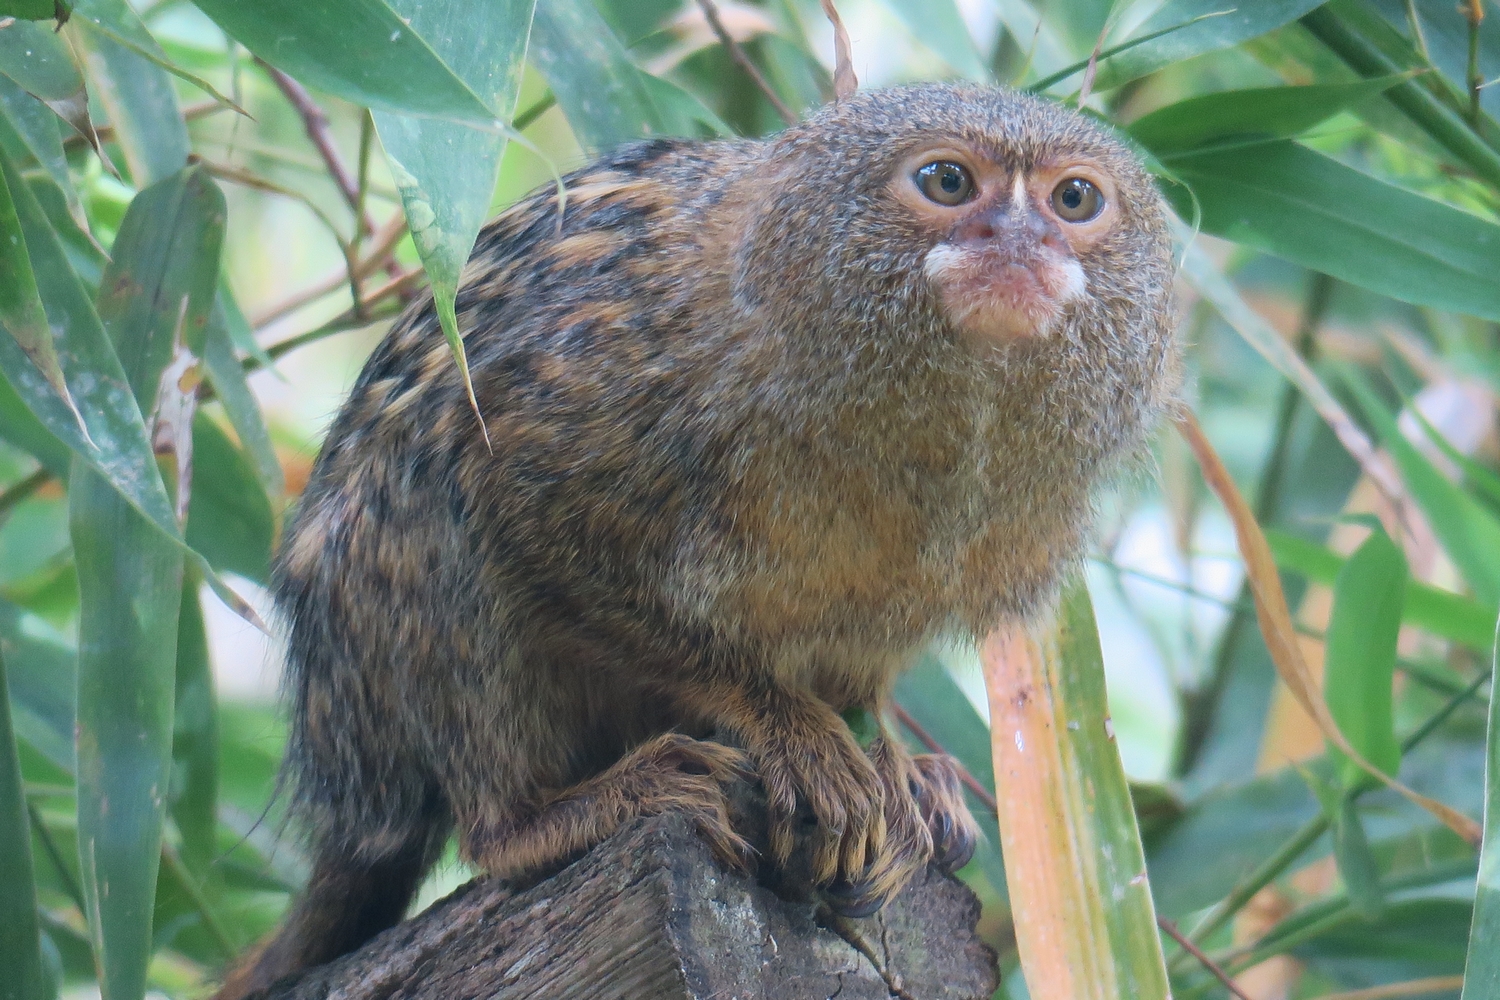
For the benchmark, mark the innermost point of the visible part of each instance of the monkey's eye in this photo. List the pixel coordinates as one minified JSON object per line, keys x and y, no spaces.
{"x":1077,"y":200}
{"x":945,"y":182}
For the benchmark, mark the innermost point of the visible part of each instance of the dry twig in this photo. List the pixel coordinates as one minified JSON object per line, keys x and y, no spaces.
{"x":381,"y":246}
{"x":845,"y":83}
{"x":1208,"y":963}
{"x":315,"y":122}
{"x":106,"y":133}
{"x":738,"y":54}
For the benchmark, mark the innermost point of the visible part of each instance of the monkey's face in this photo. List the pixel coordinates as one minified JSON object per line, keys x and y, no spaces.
{"x":1005,"y":240}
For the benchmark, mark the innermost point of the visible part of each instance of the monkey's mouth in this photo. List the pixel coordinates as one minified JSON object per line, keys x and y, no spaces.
{"x":994,"y":296}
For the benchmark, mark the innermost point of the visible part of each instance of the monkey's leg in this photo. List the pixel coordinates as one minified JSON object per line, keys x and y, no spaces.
{"x":669,"y":773}
{"x":800,"y":746}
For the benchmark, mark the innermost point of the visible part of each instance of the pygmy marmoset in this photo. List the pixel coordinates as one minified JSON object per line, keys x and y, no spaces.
{"x":763,"y":418}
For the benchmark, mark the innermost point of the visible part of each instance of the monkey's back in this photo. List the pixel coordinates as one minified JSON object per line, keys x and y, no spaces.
{"x":433,"y":585}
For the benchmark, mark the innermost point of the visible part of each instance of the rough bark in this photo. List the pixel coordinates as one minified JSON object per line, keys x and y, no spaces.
{"x":649,"y":915}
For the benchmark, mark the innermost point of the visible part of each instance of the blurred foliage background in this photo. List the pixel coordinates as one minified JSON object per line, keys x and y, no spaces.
{"x":201,"y":247}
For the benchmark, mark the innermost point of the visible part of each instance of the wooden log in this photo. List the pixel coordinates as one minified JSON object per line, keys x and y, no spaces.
{"x":649,"y":915}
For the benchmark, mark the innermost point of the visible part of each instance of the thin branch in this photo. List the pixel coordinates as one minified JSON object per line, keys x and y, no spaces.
{"x":49,"y":846}
{"x":1409,"y":988}
{"x":383,"y":244}
{"x":106,"y":133}
{"x":206,"y":912}
{"x":1415,"y":24}
{"x":1473,"y":12}
{"x":737,"y":53}
{"x":23,"y":490}
{"x":543,"y":104}
{"x":349,"y":319}
{"x":246,"y":178}
{"x":1204,"y":960}
{"x":315,"y":123}
{"x":926,"y":739}
{"x":238,"y":175}
{"x":366,"y":142}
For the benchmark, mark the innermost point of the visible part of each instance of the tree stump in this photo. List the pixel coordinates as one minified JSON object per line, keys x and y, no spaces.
{"x":649,"y":915}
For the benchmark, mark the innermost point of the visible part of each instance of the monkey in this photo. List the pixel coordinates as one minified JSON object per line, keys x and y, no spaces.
{"x":760,"y":419}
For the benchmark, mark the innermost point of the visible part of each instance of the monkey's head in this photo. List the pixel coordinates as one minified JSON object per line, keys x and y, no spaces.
{"x":981,"y":216}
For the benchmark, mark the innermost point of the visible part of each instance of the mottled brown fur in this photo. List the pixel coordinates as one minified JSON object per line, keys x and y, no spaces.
{"x":742,"y":469}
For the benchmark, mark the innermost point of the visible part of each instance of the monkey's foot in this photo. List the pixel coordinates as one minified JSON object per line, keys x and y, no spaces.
{"x":926,"y":819}
{"x":671,"y":773}
{"x":807,"y":751}
{"x":940,"y":798}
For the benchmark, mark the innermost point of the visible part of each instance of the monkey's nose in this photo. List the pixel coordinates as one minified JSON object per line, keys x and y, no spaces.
{"x":1014,"y":227}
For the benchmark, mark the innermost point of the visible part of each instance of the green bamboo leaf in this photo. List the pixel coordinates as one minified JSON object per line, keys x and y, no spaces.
{"x":120,"y":447}
{"x":21,"y":311}
{"x":1308,"y":208}
{"x":237,"y":326}
{"x":1206,"y":26}
{"x":230,"y":383}
{"x":1073,"y":859}
{"x":35,"y":127}
{"x":445,"y":172}
{"x":1480,"y":480}
{"x":1351,"y":848}
{"x":20,"y":935}
{"x":229,"y":517}
{"x":679,"y":112}
{"x":1470,"y":534}
{"x":1482,"y":971}
{"x":360,"y":50}
{"x":1080,"y":22}
{"x":1224,"y":836}
{"x":42,"y":669}
{"x":116,"y":20}
{"x":194,"y":794}
{"x":1372,"y":46}
{"x":1360,"y":658}
{"x":130,"y":587}
{"x":159,"y":289}
{"x":633,"y":20}
{"x":1265,"y":112}
{"x":155,"y":295}
{"x":35,"y":10}
{"x":1441,"y":612}
{"x":938,"y":25}
{"x":140,"y":100}
{"x":35,"y":58}
{"x":39,"y":63}
{"x":599,"y":89}
{"x":117,"y":443}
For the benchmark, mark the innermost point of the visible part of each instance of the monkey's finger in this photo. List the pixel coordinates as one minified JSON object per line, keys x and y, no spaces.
{"x":953,"y":843}
{"x":850,"y":899}
{"x":856,"y":851}
{"x":731,"y":850}
{"x":781,"y":811}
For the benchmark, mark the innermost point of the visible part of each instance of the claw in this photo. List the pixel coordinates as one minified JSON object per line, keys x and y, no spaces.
{"x":852,"y":899}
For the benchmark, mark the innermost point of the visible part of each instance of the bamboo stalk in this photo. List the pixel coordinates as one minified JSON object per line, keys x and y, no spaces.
{"x":1085,"y":923}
